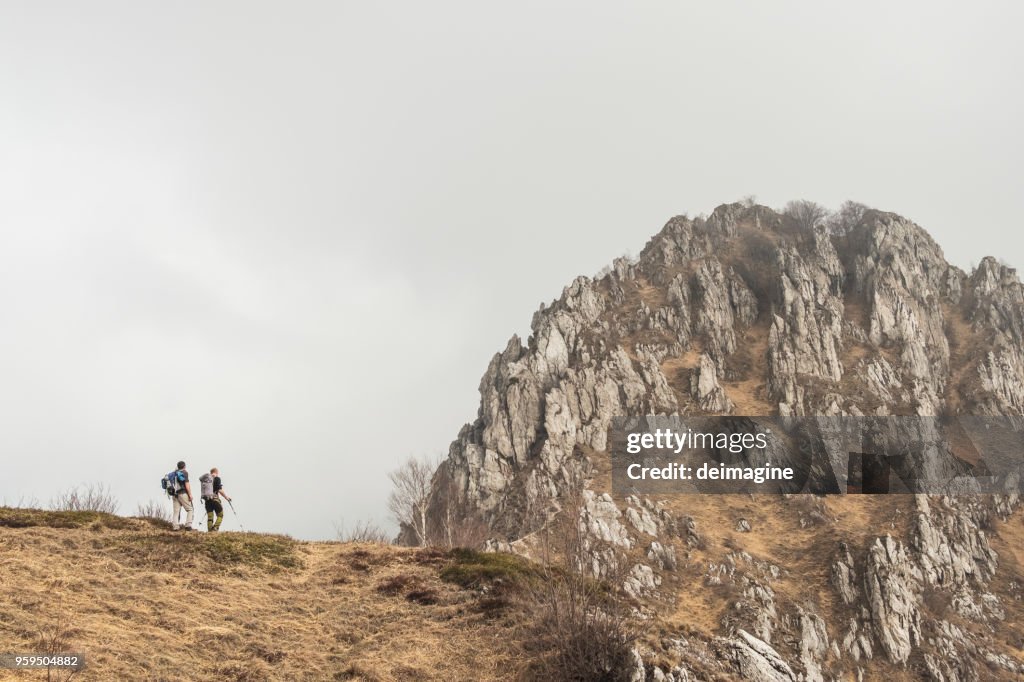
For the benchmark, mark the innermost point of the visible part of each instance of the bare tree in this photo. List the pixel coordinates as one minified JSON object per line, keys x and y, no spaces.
{"x":847,"y":217}
{"x":410,"y":497}
{"x":93,"y":497}
{"x":806,"y":214}
{"x":455,"y":523}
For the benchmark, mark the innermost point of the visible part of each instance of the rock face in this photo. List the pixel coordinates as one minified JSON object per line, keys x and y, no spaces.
{"x":757,"y":661}
{"x":706,"y":390}
{"x":890,"y":584}
{"x":745,"y":312}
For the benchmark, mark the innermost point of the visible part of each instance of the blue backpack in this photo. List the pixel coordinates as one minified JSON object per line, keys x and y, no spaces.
{"x":171,"y":484}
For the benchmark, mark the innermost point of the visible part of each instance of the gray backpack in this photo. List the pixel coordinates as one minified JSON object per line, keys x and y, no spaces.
{"x":206,"y":489}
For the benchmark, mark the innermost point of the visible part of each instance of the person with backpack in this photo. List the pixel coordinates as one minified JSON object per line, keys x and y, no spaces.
{"x":180,"y":490}
{"x":212,"y":491}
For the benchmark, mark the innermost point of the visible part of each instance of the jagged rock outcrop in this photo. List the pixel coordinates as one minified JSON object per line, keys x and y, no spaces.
{"x":892,"y":583}
{"x":662,"y":556}
{"x":707,"y":392}
{"x":904,"y":276}
{"x":746,"y":312}
{"x":882,"y":297}
{"x":814,"y":645}
{"x":806,"y":329}
{"x":759,"y":662}
{"x":844,"y":575}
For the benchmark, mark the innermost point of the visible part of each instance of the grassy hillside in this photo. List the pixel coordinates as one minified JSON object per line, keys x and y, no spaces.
{"x":142,"y":602}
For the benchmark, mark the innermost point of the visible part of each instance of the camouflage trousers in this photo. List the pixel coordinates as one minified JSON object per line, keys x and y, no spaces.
{"x":214,"y":514}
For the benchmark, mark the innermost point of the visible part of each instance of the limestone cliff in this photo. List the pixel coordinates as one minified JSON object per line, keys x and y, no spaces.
{"x":748,"y":312}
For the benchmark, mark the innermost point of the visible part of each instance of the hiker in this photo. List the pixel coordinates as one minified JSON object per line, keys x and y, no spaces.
{"x":182,"y":495}
{"x":213,"y":490}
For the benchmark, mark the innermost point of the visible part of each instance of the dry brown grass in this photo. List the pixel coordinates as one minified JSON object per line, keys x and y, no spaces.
{"x":654,"y":296}
{"x":1008,"y":541}
{"x":238,"y":606}
{"x":748,"y":390}
{"x":256,"y":607}
{"x":967,"y":348}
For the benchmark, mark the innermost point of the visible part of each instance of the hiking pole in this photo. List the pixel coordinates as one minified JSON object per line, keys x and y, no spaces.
{"x":232,"y":505}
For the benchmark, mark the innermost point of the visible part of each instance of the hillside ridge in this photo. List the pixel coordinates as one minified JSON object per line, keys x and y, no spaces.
{"x":140,"y":601}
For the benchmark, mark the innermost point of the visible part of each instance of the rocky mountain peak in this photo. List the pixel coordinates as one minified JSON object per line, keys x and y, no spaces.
{"x":750,"y":311}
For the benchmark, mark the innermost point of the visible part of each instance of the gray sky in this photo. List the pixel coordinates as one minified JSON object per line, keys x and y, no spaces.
{"x":286,"y":238}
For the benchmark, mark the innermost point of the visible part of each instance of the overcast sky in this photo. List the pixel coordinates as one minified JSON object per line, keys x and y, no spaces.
{"x":286,"y":238}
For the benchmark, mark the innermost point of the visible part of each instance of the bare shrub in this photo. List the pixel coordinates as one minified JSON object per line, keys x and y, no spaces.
{"x":806,"y":214}
{"x":455,"y":523}
{"x":584,"y":627}
{"x":410,"y":498}
{"x":362,"y":531}
{"x":847,"y":217}
{"x":154,"y":511}
{"x":54,"y":639}
{"x":22,"y":503}
{"x":757,"y":267}
{"x":94,"y":497}
{"x":467,"y":531}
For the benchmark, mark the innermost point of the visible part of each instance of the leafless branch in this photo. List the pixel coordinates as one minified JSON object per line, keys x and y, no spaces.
{"x":410,"y":496}
{"x":92,"y":497}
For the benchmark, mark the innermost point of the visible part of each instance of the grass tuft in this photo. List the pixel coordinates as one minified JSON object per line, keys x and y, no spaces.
{"x":227,"y":550}
{"x":472,"y":569}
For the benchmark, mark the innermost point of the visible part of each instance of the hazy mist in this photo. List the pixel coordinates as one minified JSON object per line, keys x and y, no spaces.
{"x":285,"y":239}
